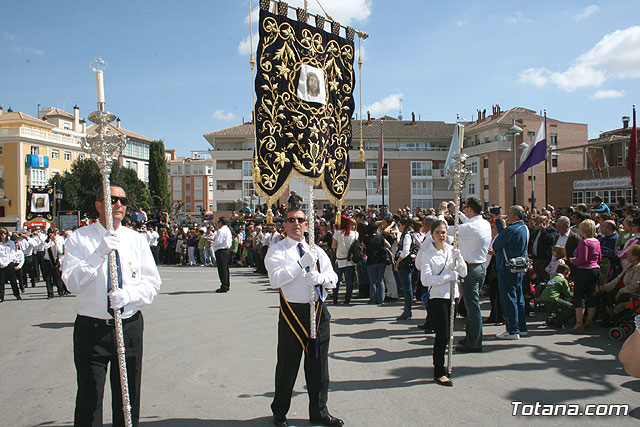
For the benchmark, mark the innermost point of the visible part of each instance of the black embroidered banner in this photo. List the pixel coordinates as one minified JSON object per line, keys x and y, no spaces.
{"x":39,"y":203}
{"x":304,"y":87}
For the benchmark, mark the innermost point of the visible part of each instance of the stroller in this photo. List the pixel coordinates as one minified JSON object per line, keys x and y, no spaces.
{"x":624,"y":322}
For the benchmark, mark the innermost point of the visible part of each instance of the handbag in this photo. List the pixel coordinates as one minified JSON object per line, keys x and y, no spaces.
{"x":387,"y":256}
{"x":520,"y":264}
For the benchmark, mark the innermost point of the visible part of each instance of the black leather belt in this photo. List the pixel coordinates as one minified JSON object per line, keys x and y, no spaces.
{"x":105,"y":322}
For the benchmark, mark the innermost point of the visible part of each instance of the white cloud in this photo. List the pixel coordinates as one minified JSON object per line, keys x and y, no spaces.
{"x":462,"y":23}
{"x":518,"y":18}
{"x":617,"y":55}
{"x":222,"y":115}
{"x":607,"y":94}
{"x":8,"y":36}
{"x":347,"y":13}
{"x":34,"y":51}
{"x":535,"y":76}
{"x":389,"y":104}
{"x":587,"y":12}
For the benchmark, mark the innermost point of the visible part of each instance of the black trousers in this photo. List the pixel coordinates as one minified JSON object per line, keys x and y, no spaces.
{"x":39,"y":257}
{"x":52,"y":278}
{"x":94,"y":349}
{"x":222,"y":259}
{"x":439,"y":313}
{"x":8,"y":274}
{"x":29,"y":268}
{"x":316,"y":370}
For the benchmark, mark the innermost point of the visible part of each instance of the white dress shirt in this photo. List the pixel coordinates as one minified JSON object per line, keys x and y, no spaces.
{"x":152,"y":237}
{"x":285,"y":272}
{"x":6,"y":256}
{"x":343,"y":243}
{"x":40,"y":239}
{"x":474,"y":238}
{"x":85,"y":272}
{"x":435,"y":265}
{"x":223,"y":238}
{"x":562,"y":239}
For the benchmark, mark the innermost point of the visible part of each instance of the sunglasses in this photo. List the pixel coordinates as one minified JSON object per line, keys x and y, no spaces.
{"x":294,"y":219}
{"x":116,"y":199}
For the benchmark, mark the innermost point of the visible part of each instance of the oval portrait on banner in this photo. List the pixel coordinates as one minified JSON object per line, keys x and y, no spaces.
{"x":311,"y":85}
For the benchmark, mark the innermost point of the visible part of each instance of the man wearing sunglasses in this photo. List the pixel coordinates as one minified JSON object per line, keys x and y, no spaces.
{"x":294,"y":268}
{"x":85,"y":271}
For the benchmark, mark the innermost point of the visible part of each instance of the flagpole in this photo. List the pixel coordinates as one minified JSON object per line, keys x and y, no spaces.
{"x":546,"y":166}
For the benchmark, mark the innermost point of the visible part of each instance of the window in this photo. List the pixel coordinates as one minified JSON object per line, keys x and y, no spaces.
{"x":0,"y":149}
{"x":80,"y":156}
{"x":177,"y":188}
{"x":35,"y":150}
{"x":55,"y":154}
{"x":38,"y":177}
{"x":247,"y":188}
{"x":421,"y":169}
{"x":531,"y":135}
{"x":414,"y":146}
{"x":577,"y":197}
{"x":471,"y":188}
{"x":372,"y":186}
{"x":472,"y":166}
{"x":67,"y":156}
{"x":485,"y":163}
{"x":137,"y":150}
{"x":421,"y":203}
{"x":188,"y":207}
{"x":372,"y":169}
{"x":177,"y":169}
{"x":247,"y":172}
{"x":197,"y":189}
{"x":553,"y":138}
{"x":486,"y":186}
{"x":421,"y":188}
{"x":146,"y":172}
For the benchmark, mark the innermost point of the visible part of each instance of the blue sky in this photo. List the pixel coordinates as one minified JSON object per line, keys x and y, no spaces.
{"x":178,"y":70}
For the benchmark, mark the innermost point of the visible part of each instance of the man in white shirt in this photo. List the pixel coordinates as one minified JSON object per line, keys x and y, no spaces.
{"x":296,"y":270}
{"x":474,"y":238}
{"x":221,"y":244}
{"x":85,"y":271}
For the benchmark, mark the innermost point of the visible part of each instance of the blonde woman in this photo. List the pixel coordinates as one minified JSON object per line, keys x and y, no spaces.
{"x":586,"y":276}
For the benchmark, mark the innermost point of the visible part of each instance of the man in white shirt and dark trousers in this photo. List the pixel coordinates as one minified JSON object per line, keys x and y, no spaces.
{"x":85,"y":270}
{"x":221,"y":245}
{"x":474,"y":238}
{"x":296,"y":269}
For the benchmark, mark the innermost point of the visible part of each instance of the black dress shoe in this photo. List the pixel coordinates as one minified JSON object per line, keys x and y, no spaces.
{"x":462,"y":348}
{"x":447,"y":383}
{"x":328,"y":420}
{"x":221,"y":291}
{"x":280,"y":421}
{"x":404,"y":316}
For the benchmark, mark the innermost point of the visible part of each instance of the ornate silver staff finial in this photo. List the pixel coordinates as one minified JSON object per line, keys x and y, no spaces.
{"x":104,"y":147}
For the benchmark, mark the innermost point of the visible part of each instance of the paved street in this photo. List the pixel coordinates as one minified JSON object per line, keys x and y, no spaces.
{"x":210,"y":358}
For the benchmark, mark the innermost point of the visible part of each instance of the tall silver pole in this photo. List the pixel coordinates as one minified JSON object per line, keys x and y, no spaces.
{"x":312,"y":289}
{"x":105,"y":147}
{"x":459,"y":176}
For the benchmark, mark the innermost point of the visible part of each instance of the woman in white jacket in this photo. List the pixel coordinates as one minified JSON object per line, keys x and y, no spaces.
{"x":441,"y":265}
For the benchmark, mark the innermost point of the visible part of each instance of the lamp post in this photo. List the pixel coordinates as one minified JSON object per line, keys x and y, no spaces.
{"x":514,"y":130}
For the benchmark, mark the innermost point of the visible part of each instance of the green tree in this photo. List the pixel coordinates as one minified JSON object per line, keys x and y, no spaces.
{"x":158,"y":177}
{"x":80,"y":184}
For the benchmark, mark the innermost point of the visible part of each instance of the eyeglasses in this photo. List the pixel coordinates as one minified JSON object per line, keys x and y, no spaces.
{"x":116,"y":199}
{"x":293,"y":219}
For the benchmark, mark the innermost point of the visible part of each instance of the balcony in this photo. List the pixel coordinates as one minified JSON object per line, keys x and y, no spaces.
{"x":38,"y":134}
{"x":228,"y":174}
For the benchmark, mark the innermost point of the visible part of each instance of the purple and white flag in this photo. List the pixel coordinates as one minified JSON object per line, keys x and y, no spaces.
{"x":535,"y":152}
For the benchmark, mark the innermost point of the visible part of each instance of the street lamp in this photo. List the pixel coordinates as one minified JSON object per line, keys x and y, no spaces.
{"x":514,"y":130}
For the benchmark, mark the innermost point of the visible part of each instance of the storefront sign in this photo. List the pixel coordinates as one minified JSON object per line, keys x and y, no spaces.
{"x":597,"y":184}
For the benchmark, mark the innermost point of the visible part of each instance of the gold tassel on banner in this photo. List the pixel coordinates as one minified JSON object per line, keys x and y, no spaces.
{"x":360,"y":84}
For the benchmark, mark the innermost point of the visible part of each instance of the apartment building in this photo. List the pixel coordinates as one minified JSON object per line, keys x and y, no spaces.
{"x":33,"y":149}
{"x":191,"y":183}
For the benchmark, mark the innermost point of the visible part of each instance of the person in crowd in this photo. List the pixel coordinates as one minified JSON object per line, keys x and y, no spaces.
{"x":556,"y":297}
{"x":389,"y":231}
{"x":496,"y":316}
{"x":558,"y":257}
{"x":405,"y":264}
{"x":52,"y":252}
{"x":474,"y":238}
{"x":608,"y":238}
{"x":566,"y":236}
{"x":85,"y":271}
{"x":586,"y":276}
{"x":599,"y":206}
{"x":440,"y":267}
{"x":192,"y":244}
{"x":629,"y":278}
{"x":374,"y":249}
{"x":294,"y":199}
{"x":633,"y":240}
{"x":342,"y":241}
{"x":7,"y":266}
{"x":293,"y":267}
{"x":511,"y":242}
{"x":221,"y":246}
{"x":542,"y":240}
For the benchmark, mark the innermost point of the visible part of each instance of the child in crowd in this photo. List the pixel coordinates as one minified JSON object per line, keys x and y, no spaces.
{"x":558,"y":257}
{"x":556,"y":296}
